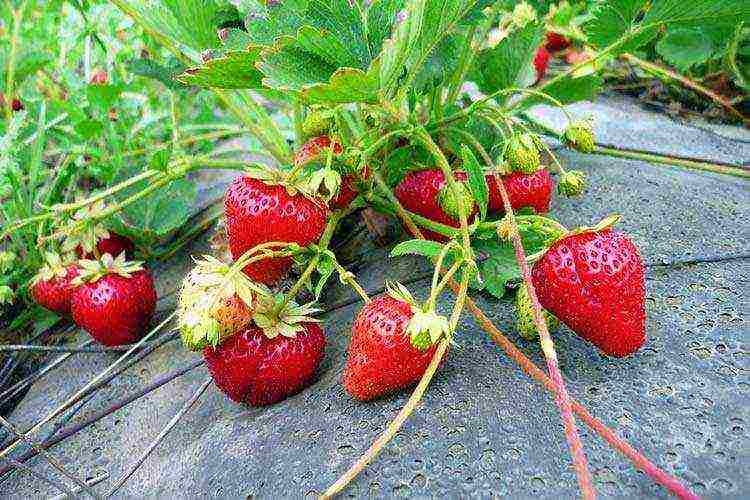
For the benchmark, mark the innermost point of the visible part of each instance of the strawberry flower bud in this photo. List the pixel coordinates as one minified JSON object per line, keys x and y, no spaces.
{"x":522,"y":153}
{"x":580,"y":136}
{"x":572,"y":183}
{"x":450,"y":203}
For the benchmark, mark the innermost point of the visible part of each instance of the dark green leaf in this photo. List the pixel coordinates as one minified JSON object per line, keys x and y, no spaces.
{"x":381,"y":17}
{"x":504,"y":65}
{"x":477,"y":182}
{"x":404,"y":160}
{"x":424,"y":248}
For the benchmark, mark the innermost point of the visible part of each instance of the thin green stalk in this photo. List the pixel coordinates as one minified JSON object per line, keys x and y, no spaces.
{"x":348,"y":277}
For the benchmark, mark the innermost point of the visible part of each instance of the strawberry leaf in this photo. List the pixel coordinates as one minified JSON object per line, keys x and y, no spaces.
{"x":566,"y":90}
{"x":235,"y":70}
{"x":505,"y":65}
{"x":477,"y":182}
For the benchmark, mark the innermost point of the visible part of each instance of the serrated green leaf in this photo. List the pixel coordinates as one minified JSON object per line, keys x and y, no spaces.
{"x":288,"y":66}
{"x":477,"y":181}
{"x":346,"y":85}
{"x":424,"y":248}
{"x":343,"y":20}
{"x":235,"y":70}
{"x":504,"y":65}
{"x":425,"y":25}
{"x":612,"y":20}
{"x":684,"y":47}
{"x":193,"y":23}
{"x":441,"y":63}
{"x":265,"y":23}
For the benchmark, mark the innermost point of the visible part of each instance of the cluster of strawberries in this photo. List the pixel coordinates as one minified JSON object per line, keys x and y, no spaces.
{"x":110,"y":297}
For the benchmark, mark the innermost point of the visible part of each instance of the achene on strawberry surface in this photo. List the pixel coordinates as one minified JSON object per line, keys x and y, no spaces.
{"x":524,"y":190}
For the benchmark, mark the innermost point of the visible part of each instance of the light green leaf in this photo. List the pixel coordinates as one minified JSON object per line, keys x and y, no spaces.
{"x":166,"y":74}
{"x":477,"y":181}
{"x":424,"y":248}
{"x":567,"y":90}
{"x":190,"y":22}
{"x":288,"y":66}
{"x":235,"y":70}
{"x":380,"y":19}
{"x":612,"y":20}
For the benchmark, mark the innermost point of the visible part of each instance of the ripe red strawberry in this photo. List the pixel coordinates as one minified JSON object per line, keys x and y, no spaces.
{"x":16,"y":105}
{"x":257,"y":212}
{"x":534,"y":190}
{"x":114,"y":301}
{"x":541,"y":61}
{"x":114,"y":244}
{"x":382,"y":354}
{"x":593,"y":281}
{"x":52,"y":287}
{"x":556,"y":42}
{"x":264,"y":364}
{"x":427,"y":193}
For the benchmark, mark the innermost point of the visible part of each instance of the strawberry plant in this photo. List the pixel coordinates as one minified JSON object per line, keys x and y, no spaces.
{"x":414,"y":109}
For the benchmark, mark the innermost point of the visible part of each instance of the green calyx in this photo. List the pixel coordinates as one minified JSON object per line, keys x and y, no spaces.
{"x":54,"y":267}
{"x":572,"y":183}
{"x":325,"y":179}
{"x":93,"y":270}
{"x":318,"y":122}
{"x":286,"y":322}
{"x":525,"y":316}
{"x":425,"y":327}
{"x":522,"y":153}
{"x":580,"y":136}
{"x":205,"y":289}
{"x":449,"y":202}
{"x":90,"y":233}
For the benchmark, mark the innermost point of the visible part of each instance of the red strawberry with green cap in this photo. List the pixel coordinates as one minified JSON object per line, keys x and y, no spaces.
{"x":266,"y":210}
{"x":427,"y":193}
{"x":271,"y":360}
{"x":215,"y":303}
{"x":593,"y":280}
{"x":524,"y":190}
{"x":393,"y":341}
{"x":52,"y":287}
{"x":114,"y":300}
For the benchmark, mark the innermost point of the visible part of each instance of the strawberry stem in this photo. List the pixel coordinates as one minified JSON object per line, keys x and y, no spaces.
{"x":562,"y":399}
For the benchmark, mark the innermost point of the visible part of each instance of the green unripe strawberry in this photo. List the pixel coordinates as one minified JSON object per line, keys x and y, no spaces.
{"x":317,"y":123}
{"x":572,"y":183}
{"x":580,"y":136}
{"x":522,"y":153}
{"x":449,"y":202}
{"x":525,"y":316}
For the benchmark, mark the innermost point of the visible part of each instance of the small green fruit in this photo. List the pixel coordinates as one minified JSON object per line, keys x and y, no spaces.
{"x":580,"y":136}
{"x":449,"y":203}
{"x":525,"y":316}
{"x":572,"y":183}
{"x":522,"y":153}
{"x":317,"y":123}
